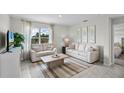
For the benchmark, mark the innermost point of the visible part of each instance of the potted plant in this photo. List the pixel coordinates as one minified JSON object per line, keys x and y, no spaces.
{"x":18,"y":39}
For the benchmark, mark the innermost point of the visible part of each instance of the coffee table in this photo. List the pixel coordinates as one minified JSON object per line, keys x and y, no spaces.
{"x":52,"y":62}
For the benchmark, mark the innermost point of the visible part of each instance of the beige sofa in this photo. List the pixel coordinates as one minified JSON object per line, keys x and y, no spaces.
{"x":38,"y":51}
{"x":84,"y":51}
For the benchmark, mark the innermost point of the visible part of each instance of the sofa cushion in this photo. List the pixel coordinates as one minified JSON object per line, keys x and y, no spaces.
{"x":69,"y":50}
{"x":82,"y":53}
{"x":43,"y":53}
{"x":74,"y":52}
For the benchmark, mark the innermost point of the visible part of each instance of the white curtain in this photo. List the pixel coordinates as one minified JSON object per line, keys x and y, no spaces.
{"x":27,"y":41}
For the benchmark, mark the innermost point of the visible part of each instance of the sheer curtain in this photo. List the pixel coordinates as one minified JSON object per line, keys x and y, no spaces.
{"x":27,"y":28}
{"x":27,"y":42}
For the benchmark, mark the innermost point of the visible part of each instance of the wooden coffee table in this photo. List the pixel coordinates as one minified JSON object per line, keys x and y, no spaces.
{"x":52,"y":62}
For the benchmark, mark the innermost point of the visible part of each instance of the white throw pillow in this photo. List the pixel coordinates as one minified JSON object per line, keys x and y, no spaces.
{"x":37,"y":48}
{"x":89,"y":49}
{"x":82,"y":47}
{"x":76,"y":46}
{"x":50,"y":47}
{"x":93,"y":47}
{"x":44,"y":46}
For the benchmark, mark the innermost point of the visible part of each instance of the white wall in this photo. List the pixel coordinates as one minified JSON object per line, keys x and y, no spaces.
{"x":59,"y":33}
{"x":118,"y":20}
{"x":16,"y":25}
{"x":4,"y":22}
{"x":102,"y":35}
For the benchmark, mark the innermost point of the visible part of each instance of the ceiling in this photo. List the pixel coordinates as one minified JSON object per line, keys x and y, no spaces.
{"x":66,"y":19}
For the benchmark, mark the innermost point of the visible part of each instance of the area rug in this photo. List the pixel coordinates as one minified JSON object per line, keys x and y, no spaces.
{"x":70,"y":68}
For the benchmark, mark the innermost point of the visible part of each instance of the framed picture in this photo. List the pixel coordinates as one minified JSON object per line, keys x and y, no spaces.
{"x":84,"y":35}
{"x":92,"y":34}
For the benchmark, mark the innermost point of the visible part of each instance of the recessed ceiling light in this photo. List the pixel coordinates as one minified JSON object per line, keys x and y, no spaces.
{"x":60,"y":16}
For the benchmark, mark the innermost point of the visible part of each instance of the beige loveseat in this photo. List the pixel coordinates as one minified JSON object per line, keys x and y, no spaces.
{"x":39,"y":50}
{"x":84,"y":51}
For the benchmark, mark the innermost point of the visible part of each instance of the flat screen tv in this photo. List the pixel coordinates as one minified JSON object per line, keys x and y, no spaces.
{"x":10,"y":40}
{"x":2,"y":41}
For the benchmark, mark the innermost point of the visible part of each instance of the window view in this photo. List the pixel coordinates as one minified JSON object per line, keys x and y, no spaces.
{"x":35,"y":36}
{"x":40,"y":35}
{"x":44,"y":35}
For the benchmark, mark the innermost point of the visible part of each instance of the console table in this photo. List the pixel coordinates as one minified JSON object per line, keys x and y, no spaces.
{"x":10,"y":64}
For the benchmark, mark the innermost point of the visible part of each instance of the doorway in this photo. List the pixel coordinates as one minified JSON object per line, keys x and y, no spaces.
{"x":118,"y":40}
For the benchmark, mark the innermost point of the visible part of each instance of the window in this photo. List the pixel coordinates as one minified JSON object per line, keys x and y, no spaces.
{"x":35,"y":36}
{"x":44,"y":35}
{"x":41,"y":35}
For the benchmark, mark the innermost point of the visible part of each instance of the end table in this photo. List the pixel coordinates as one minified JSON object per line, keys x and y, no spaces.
{"x":64,"y":50}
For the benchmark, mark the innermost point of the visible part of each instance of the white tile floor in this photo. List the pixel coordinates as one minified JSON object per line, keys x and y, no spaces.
{"x":101,"y":71}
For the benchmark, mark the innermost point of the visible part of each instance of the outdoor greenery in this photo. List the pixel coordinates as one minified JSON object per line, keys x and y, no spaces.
{"x":18,"y":39}
{"x":44,"y":38}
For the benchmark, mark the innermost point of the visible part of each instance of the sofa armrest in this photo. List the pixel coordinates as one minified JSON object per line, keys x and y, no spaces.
{"x":54,"y":50}
{"x":32,"y":55}
{"x":68,"y":48}
{"x":93,"y":52}
{"x":32,"y":51}
{"x":93,"y":56}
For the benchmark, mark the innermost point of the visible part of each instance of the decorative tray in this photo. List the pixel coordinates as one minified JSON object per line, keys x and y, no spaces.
{"x":55,"y":56}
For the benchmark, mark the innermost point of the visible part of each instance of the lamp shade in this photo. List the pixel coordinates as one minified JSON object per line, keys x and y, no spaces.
{"x":66,"y":41}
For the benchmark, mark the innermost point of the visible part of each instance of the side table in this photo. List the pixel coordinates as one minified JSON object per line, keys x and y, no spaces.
{"x":64,"y":50}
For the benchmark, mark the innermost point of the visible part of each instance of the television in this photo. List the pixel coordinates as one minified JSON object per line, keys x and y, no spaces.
{"x":2,"y":41}
{"x":10,"y":40}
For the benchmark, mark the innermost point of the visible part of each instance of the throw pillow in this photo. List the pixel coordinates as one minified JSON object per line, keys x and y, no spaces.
{"x":76,"y":46}
{"x":37,"y":48}
{"x":81,"y":47}
{"x":50,"y":47}
{"x":44,"y":46}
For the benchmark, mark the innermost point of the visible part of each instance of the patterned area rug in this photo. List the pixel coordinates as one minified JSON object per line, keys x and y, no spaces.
{"x":70,"y":68}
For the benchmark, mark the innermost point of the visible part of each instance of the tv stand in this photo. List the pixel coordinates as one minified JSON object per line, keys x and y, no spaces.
{"x":10,"y":63}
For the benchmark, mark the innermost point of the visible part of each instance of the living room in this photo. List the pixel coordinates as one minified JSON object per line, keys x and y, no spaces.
{"x":52,"y":34}
{"x":61,"y":46}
